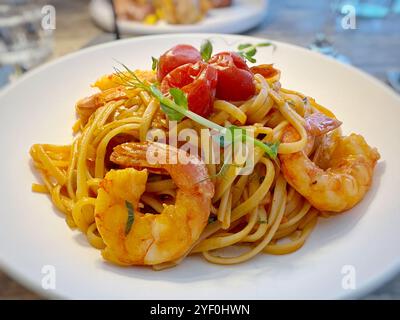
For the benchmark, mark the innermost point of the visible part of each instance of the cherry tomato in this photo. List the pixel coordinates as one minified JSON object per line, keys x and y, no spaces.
{"x":198,"y":81}
{"x":175,"y":57}
{"x":235,"y":80}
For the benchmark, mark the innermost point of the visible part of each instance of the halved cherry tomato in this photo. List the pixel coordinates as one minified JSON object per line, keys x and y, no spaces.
{"x":198,"y":81}
{"x":176,"y":57}
{"x":235,"y":80}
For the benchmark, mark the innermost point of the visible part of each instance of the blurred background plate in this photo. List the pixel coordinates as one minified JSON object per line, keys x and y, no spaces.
{"x":241,"y":16}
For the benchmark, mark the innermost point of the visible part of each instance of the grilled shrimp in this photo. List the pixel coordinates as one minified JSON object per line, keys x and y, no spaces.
{"x":152,"y":238}
{"x":347,"y":168}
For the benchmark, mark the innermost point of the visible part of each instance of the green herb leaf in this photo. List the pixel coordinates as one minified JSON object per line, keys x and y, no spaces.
{"x":167,"y":102}
{"x":179,"y":97}
{"x":265,"y":44}
{"x":131,"y":217}
{"x":262,"y":221}
{"x":154,"y":63}
{"x":251,"y":52}
{"x":220,"y":173}
{"x":272,"y":152}
{"x":172,"y":114}
{"x":251,"y":59}
{"x":180,"y":100}
{"x":206,"y":50}
{"x":248,"y":51}
{"x":244,"y":46}
{"x":156,"y":92}
{"x":247,"y":57}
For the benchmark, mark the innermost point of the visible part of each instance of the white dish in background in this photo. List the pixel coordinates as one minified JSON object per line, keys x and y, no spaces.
{"x":39,"y":108}
{"x":241,"y":16}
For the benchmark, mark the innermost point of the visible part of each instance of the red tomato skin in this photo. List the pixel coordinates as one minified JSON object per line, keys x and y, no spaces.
{"x":201,"y":93}
{"x":175,"y":57}
{"x":198,"y":81}
{"x":235,"y":79}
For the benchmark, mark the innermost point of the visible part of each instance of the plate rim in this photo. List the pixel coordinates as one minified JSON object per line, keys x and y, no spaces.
{"x":380,"y":278}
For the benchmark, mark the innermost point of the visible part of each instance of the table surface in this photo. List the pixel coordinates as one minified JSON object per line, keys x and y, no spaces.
{"x":373,"y":46}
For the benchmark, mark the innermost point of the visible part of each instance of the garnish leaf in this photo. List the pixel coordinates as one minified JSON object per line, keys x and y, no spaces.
{"x":171,"y":114}
{"x":272,"y":150}
{"x":206,"y":50}
{"x":251,"y":52}
{"x":251,"y":59}
{"x":265,"y":44}
{"x":247,"y":57}
{"x":247,"y":51}
{"x":154,"y":63}
{"x":262,"y":221}
{"x":180,"y":100}
{"x":179,"y":97}
{"x":156,"y":92}
{"x":221,"y":173}
{"x":244,"y":46}
{"x":131,"y":217}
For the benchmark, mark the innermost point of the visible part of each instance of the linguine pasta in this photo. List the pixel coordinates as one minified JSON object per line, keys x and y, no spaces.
{"x":263,"y":213}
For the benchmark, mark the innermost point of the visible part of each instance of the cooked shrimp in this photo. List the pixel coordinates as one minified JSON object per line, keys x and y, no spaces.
{"x":110,"y":90}
{"x":152,"y":238}
{"x":347,"y":173}
{"x":86,"y":106}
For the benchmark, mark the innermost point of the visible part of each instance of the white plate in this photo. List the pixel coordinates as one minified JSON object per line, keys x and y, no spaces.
{"x":40,"y":108}
{"x":241,"y":16}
